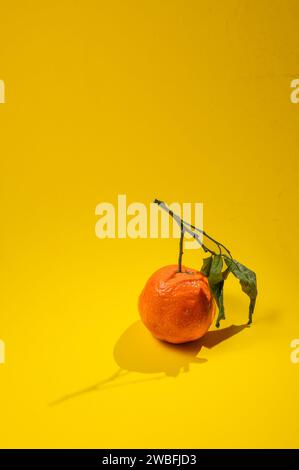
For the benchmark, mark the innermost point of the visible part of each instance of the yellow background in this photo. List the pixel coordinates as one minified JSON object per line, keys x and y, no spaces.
{"x":179,"y":100}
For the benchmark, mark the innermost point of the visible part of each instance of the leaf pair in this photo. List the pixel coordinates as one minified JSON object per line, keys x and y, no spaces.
{"x":212,"y":269}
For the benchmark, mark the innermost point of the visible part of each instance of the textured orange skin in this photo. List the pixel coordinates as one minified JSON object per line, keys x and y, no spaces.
{"x":177,"y":307}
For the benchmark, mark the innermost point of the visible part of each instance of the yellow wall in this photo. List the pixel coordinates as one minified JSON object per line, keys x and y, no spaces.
{"x":179,"y":100}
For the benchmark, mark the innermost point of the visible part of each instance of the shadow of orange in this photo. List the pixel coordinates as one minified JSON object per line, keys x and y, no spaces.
{"x":138,"y":351}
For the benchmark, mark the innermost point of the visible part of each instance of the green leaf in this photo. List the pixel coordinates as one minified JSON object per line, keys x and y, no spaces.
{"x":217,"y":291}
{"x":216,"y":283}
{"x":215,"y":274}
{"x":206,"y":266}
{"x":225,"y":274}
{"x":247,"y":280}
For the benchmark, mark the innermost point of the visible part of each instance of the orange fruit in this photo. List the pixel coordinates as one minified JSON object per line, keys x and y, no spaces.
{"x":177,"y":307}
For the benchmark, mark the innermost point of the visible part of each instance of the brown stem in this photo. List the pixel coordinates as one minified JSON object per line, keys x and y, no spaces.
{"x":181,"y":248}
{"x":189,"y":228}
